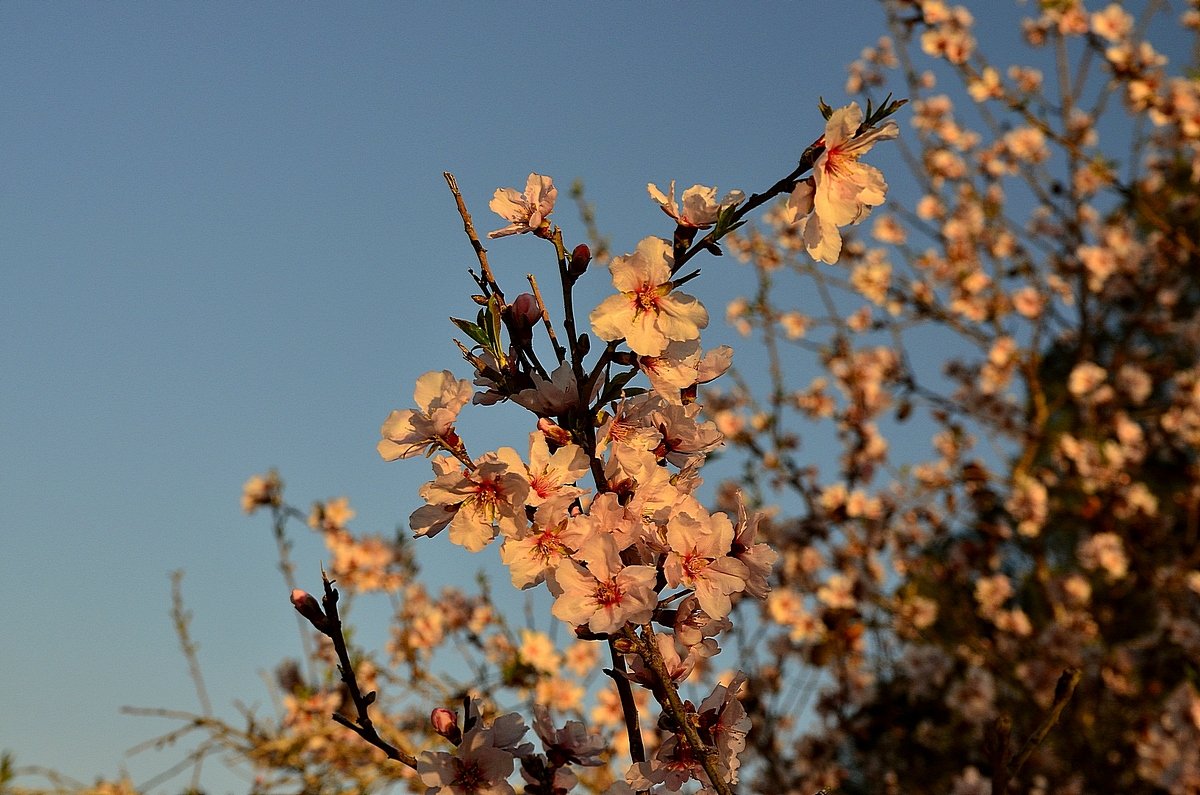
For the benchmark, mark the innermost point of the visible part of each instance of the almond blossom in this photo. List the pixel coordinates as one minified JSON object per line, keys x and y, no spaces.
{"x":629,"y":425}
{"x":700,"y":205}
{"x":680,"y":367}
{"x":572,"y":742}
{"x":476,"y":767}
{"x":554,"y":397}
{"x":759,"y":558}
{"x":606,"y":594}
{"x":699,"y":559}
{"x":696,"y":630}
{"x":533,"y":554}
{"x":480,"y":500}
{"x":439,"y":396}
{"x":841,"y":190}
{"x":724,"y":719}
{"x":685,"y":441}
{"x":647,"y":314}
{"x":261,"y":490}
{"x":553,"y":476}
{"x":528,"y":212}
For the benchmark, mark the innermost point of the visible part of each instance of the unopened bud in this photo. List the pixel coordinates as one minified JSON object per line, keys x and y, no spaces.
{"x":445,"y":723}
{"x":580,"y":257}
{"x":554,"y":432}
{"x":624,"y":645}
{"x":526,"y":311}
{"x":306,"y":605}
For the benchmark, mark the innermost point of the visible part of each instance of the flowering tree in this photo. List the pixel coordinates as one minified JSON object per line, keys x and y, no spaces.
{"x":937,"y":600}
{"x":896,"y":616}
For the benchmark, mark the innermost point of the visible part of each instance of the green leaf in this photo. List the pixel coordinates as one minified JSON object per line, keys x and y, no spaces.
{"x":492,"y":329}
{"x":615,"y":385}
{"x":472,"y":330}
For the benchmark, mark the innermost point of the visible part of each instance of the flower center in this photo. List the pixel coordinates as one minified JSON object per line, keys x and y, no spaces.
{"x":468,"y":777}
{"x":645,"y":298}
{"x":548,"y":547}
{"x":607,"y":594}
{"x":833,"y":161}
{"x":695,"y":565}
{"x":488,"y":498}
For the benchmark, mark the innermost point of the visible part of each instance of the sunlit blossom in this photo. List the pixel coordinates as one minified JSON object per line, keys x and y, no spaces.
{"x":439,"y":397}
{"x":842,"y":190}
{"x":700,"y":206}
{"x":527,"y":212}
{"x":606,"y":594}
{"x":699,"y":559}
{"x":647,"y":313}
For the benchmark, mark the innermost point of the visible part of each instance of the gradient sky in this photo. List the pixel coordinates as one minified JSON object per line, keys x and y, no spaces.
{"x":226,"y":245}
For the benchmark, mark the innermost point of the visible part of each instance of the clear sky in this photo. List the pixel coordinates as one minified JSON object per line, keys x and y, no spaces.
{"x":226,"y":245}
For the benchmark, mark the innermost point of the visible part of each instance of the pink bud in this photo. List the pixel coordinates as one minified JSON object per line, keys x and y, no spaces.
{"x":306,"y":605}
{"x":580,"y":258}
{"x":525,"y":310}
{"x":445,"y":723}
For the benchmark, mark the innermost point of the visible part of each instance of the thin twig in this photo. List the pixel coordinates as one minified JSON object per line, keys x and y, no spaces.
{"x":1062,"y":694}
{"x":469,"y":227}
{"x":1004,"y":768}
{"x":637,"y":750}
{"x":364,"y":728}
{"x":559,"y":351}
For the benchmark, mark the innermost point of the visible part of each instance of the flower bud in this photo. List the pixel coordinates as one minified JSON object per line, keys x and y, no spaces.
{"x":624,"y":645}
{"x":445,"y":723}
{"x":580,"y":257}
{"x":554,"y":432}
{"x":306,"y":605}
{"x":526,"y":311}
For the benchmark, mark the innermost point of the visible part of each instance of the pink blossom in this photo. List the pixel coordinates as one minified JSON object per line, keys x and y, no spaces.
{"x":554,"y":397}
{"x":493,"y":494}
{"x":532,"y":555}
{"x":646,"y":313}
{"x":680,"y":367}
{"x":261,"y":490}
{"x":553,"y":476}
{"x":726,"y":722}
{"x":699,"y":559}
{"x":476,"y":767}
{"x":572,"y":742}
{"x":842,"y":190}
{"x":695,"y":629}
{"x":700,"y":205}
{"x":439,"y":396}
{"x":528,"y":212}
{"x":607,"y":516}
{"x":759,"y":558}
{"x":606,"y":594}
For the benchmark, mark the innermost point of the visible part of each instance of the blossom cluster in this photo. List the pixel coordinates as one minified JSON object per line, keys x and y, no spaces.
{"x":633,"y":557}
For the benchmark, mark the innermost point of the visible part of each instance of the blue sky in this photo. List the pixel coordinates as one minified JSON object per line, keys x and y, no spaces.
{"x":226,"y":245}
